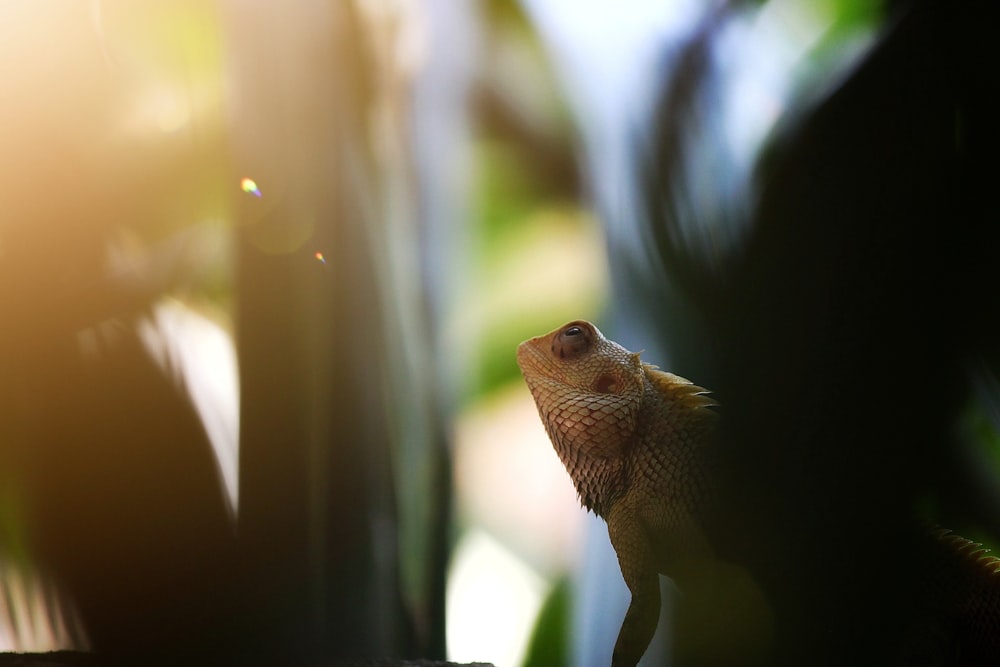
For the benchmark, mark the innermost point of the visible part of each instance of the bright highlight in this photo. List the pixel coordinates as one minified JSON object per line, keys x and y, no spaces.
{"x":250,"y":187}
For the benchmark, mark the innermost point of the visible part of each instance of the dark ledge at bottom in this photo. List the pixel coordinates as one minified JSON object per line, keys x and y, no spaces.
{"x":78,"y":659}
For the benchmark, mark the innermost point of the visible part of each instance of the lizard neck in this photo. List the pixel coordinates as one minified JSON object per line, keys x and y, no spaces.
{"x":671,"y":455}
{"x":599,"y":480}
{"x":663,"y":458}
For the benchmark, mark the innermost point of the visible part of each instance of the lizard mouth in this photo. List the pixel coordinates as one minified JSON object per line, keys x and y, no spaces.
{"x":531,"y":354}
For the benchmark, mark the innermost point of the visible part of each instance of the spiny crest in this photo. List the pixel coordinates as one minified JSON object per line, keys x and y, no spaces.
{"x":681,"y":390}
{"x":972,"y":552}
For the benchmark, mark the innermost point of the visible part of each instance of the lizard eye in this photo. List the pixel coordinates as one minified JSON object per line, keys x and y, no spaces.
{"x":572,"y":341}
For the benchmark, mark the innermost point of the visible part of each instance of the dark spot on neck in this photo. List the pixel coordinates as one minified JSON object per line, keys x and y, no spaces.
{"x":605,"y":383}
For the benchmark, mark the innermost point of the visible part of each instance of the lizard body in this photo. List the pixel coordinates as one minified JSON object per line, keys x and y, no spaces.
{"x":631,"y":437}
{"x":635,"y":441}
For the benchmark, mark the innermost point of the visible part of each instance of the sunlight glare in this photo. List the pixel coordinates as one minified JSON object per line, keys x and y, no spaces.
{"x":250,"y":187}
{"x":493,"y":599}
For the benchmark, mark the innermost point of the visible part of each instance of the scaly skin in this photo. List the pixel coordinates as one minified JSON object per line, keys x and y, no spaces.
{"x":631,"y":439}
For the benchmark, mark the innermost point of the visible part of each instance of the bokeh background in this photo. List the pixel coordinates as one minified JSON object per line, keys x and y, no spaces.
{"x":263,"y":267}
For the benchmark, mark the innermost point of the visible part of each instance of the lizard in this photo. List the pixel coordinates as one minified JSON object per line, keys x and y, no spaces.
{"x":632,"y":438}
{"x":636,"y":443}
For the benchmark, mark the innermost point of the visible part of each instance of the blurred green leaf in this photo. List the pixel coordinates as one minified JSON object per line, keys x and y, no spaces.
{"x":549,"y":643}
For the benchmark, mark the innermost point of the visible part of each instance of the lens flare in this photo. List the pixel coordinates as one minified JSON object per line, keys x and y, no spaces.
{"x":320,"y":257}
{"x":250,"y":187}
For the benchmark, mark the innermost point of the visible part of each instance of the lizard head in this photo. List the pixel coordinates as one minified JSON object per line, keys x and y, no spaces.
{"x":588,"y":389}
